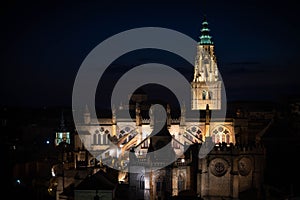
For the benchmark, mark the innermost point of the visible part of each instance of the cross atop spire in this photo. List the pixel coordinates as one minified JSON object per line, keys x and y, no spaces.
{"x":205,"y":38}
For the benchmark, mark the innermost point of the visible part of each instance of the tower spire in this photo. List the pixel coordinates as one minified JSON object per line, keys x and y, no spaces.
{"x":205,"y":38}
{"x":206,"y":85}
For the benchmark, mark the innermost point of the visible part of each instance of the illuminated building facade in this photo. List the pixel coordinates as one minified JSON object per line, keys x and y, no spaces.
{"x":230,"y":168}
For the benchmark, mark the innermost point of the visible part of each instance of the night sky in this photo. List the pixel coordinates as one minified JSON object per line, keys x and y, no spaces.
{"x":43,"y":44}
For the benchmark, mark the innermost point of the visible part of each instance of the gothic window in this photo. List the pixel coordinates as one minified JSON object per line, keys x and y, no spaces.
{"x":99,"y":138}
{"x":95,"y":138}
{"x":221,"y":134}
{"x":181,"y":183}
{"x":104,"y":139}
{"x":195,"y":131}
{"x":127,"y":130}
{"x":199,"y":134}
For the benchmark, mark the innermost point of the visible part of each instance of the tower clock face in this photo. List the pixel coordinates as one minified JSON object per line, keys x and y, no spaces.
{"x":244,"y":166}
{"x":218,"y":167}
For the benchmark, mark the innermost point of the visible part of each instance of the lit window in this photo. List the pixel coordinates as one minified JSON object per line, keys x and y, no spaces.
{"x":220,"y":135}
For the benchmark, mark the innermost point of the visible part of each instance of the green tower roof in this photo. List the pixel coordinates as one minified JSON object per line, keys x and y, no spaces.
{"x":205,"y":38}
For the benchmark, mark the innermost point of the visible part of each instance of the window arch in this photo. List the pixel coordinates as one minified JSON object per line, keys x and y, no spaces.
{"x":221,"y":134}
{"x":125,"y":130}
{"x":96,"y":137}
{"x":101,"y":137}
{"x":104,"y":139}
{"x":195,"y":131}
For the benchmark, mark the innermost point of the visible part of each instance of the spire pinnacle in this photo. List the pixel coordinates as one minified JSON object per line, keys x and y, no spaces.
{"x":205,"y":38}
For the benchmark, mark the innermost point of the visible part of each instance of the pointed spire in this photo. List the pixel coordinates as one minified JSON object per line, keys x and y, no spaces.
{"x":205,"y":38}
{"x":62,"y":122}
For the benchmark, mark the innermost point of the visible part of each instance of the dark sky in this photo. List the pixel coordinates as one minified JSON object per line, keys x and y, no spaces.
{"x":43,"y":44}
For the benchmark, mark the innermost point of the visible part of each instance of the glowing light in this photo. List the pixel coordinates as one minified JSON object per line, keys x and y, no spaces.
{"x":52,"y":171}
{"x":47,"y":142}
{"x":147,"y":183}
{"x":18,"y":181}
{"x":182,"y":160}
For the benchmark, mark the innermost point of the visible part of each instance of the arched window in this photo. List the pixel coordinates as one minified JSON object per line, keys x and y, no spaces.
{"x":99,"y":139}
{"x":221,"y":134}
{"x":95,"y":138}
{"x":195,"y":131}
{"x":104,"y":140}
{"x":199,"y":134}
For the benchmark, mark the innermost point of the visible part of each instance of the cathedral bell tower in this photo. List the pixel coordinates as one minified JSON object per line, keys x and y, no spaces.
{"x":206,"y":85}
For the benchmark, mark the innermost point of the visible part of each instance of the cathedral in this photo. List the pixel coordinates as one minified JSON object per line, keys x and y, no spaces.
{"x":208,"y":158}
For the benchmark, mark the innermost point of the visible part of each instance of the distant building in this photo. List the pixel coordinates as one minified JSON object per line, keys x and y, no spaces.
{"x":233,"y":166}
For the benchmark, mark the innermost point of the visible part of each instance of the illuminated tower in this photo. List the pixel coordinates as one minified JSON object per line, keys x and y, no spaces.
{"x":206,"y":85}
{"x":62,"y":134}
